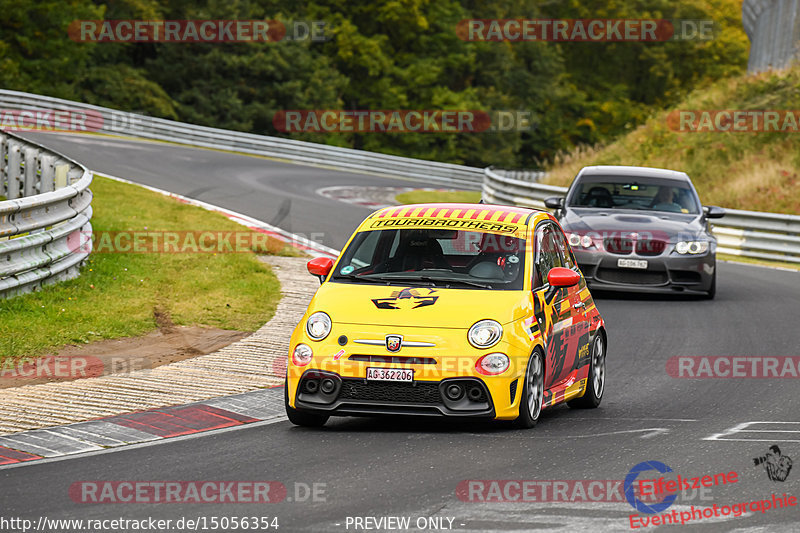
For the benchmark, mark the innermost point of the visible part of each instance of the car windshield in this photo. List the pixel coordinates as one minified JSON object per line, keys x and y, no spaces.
{"x":648,"y":194}
{"x":434,"y":257}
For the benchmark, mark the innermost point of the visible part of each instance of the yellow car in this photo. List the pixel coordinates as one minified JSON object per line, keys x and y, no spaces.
{"x":462,"y":310}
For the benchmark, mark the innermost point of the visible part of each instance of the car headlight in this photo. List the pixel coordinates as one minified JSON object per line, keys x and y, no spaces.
{"x":302,"y":355}
{"x":318,"y":325}
{"x":691,"y":247}
{"x":576,"y":240}
{"x":485,"y":333}
{"x":492,"y":364}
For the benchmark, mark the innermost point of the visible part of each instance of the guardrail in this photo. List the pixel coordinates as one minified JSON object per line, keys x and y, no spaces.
{"x":773,"y":27}
{"x":745,"y":233}
{"x":104,"y":120}
{"x":45,"y":233}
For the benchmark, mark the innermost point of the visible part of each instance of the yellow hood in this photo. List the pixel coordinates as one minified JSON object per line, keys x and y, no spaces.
{"x":350,"y":303}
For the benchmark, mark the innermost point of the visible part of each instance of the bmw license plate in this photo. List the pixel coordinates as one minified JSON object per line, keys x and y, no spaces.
{"x":632,"y":263}
{"x":390,"y":374}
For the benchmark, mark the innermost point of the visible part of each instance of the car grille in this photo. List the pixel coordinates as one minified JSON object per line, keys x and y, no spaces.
{"x":624,"y":246}
{"x":420,"y":392}
{"x":398,"y":359}
{"x":618,"y":245}
{"x":650,"y":247}
{"x":633,"y":278}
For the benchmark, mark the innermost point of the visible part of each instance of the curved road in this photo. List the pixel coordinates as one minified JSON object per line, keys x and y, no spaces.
{"x":412,"y":468}
{"x":282,"y":194}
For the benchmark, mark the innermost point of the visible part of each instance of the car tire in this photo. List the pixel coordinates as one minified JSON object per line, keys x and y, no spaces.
{"x":596,"y":382}
{"x":530,"y":405}
{"x":300,"y":418}
{"x":712,"y":291}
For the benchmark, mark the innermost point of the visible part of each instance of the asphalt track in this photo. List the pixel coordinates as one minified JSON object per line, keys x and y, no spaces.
{"x":400,"y":467}
{"x":282,"y":194}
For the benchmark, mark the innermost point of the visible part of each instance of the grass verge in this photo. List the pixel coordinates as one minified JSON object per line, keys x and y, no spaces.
{"x":124,"y":294}
{"x":424,"y":197}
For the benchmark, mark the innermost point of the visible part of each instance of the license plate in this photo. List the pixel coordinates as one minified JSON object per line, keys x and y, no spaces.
{"x":631,"y":263}
{"x":390,"y":374}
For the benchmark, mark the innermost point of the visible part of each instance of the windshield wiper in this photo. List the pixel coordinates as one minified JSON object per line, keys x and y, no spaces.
{"x":468,"y":282}
{"x":435,"y":280}
{"x":361,"y":277}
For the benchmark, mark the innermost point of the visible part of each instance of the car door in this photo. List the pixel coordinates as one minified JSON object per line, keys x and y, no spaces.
{"x":549,"y":304}
{"x":578,"y":301}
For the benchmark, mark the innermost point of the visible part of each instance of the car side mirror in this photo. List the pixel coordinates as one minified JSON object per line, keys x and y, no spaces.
{"x":712,"y":211}
{"x":554,"y":202}
{"x":562,"y":277}
{"x":320,"y":267}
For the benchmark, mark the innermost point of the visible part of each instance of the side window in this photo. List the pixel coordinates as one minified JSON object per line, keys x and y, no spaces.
{"x":548,"y":255}
{"x":566,"y":251}
{"x":364,"y":254}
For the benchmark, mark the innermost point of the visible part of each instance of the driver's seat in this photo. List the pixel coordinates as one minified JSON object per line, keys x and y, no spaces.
{"x":598,"y":197}
{"x":421,"y":252}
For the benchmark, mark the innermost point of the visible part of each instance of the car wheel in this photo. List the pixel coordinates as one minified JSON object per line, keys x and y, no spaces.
{"x":597,"y":377}
{"x":712,"y":291}
{"x":530,"y":406}
{"x":299,"y":418}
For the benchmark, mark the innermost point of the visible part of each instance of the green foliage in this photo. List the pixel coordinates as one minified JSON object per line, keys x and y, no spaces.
{"x":386,"y":54}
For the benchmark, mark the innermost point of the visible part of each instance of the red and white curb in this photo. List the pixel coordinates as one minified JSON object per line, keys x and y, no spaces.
{"x":142,"y":426}
{"x":372,"y":197}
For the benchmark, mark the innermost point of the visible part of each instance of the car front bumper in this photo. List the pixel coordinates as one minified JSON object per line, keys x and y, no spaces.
{"x":664,"y":273}
{"x":490,"y":397}
{"x":357,"y":396}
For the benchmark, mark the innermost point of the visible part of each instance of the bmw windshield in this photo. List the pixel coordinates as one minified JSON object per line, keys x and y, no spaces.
{"x":633,"y":192}
{"x":434,"y":257}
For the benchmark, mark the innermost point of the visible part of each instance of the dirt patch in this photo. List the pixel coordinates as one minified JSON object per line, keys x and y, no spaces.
{"x":168,"y":344}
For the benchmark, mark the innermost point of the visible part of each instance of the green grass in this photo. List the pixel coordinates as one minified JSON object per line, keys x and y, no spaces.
{"x":119,"y":294}
{"x":424,"y":197}
{"x":755,"y":171}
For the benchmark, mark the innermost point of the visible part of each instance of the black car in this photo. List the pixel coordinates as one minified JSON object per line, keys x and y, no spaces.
{"x":639,"y":228}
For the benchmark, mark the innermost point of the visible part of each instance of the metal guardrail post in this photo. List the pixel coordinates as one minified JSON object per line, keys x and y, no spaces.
{"x":45,"y":233}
